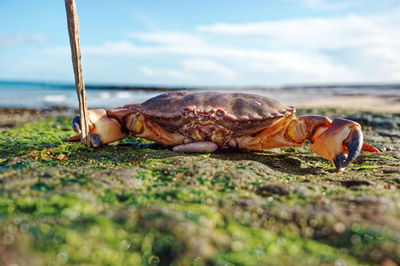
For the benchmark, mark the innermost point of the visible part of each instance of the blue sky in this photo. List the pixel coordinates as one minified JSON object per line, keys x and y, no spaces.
{"x":205,"y":43}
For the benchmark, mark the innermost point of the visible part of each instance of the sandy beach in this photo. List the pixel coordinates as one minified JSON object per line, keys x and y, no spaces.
{"x":387,"y":104}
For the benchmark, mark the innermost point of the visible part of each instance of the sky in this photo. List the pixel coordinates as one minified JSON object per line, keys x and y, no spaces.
{"x":204,"y":43}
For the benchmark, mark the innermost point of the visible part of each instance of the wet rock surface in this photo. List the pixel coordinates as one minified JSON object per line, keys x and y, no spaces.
{"x":135,"y":203}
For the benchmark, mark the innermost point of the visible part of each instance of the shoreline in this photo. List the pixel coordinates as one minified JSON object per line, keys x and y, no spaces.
{"x":362,"y":102}
{"x":161,"y":87}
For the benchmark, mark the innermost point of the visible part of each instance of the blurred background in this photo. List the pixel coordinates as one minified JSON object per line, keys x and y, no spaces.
{"x":293,"y":50}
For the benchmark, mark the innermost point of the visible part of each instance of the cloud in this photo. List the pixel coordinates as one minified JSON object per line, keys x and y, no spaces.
{"x":350,"y":48}
{"x":321,"y":33}
{"x":207,"y":66}
{"x":163,"y":72}
{"x":25,"y":39}
{"x":226,"y":65}
{"x":192,"y":70}
{"x":368,"y":45}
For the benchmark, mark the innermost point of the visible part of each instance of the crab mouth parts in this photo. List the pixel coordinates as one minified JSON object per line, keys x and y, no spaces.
{"x":207,"y":131}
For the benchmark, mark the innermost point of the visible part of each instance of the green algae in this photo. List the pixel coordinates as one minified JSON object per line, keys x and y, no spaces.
{"x":134,"y":203}
{"x":367,"y":167}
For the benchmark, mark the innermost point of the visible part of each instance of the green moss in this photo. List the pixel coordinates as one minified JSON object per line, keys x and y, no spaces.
{"x":380,"y":158}
{"x":260,"y":247}
{"x":367,"y":167}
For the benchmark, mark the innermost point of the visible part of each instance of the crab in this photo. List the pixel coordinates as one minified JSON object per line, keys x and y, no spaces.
{"x":204,"y":121}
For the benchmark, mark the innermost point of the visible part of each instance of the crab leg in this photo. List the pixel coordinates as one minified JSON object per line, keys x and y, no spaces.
{"x":338,"y":140}
{"x":272,"y":137}
{"x":199,"y":146}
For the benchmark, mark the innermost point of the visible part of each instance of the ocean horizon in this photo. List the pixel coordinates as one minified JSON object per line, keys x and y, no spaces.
{"x":43,"y":95}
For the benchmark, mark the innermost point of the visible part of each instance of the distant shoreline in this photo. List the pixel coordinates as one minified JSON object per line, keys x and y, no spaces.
{"x":386,"y":104}
{"x":89,"y":86}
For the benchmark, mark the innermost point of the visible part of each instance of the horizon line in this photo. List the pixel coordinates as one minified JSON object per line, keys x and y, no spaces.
{"x":161,"y":87}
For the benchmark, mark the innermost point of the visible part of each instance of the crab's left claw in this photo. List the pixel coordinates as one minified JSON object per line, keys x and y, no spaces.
{"x":340,"y":143}
{"x":102,"y":129}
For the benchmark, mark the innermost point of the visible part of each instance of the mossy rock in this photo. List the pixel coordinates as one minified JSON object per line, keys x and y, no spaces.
{"x":135,"y":203}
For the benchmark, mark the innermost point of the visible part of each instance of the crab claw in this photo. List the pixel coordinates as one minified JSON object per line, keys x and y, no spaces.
{"x":102,"y":129}
{"x":76,"y":124}
{"x":340,"y":143}
{"x":354,"y":144}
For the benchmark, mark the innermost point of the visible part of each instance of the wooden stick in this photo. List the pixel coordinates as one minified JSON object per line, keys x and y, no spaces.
{"x":73,"y":31}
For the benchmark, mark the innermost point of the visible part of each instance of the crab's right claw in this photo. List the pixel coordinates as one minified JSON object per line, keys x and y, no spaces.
{"x":353,"y":144}
{"x":102,"y":129}
{"x":341,"y":142}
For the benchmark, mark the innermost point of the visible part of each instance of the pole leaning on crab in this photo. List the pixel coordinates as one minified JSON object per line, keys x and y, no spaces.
{"x":73,"y":32}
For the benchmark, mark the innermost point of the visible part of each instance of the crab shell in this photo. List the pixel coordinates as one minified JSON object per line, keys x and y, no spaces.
{"x":217,"y":117}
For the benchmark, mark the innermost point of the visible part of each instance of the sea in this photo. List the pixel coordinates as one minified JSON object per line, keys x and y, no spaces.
{"x":45,"y":95}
